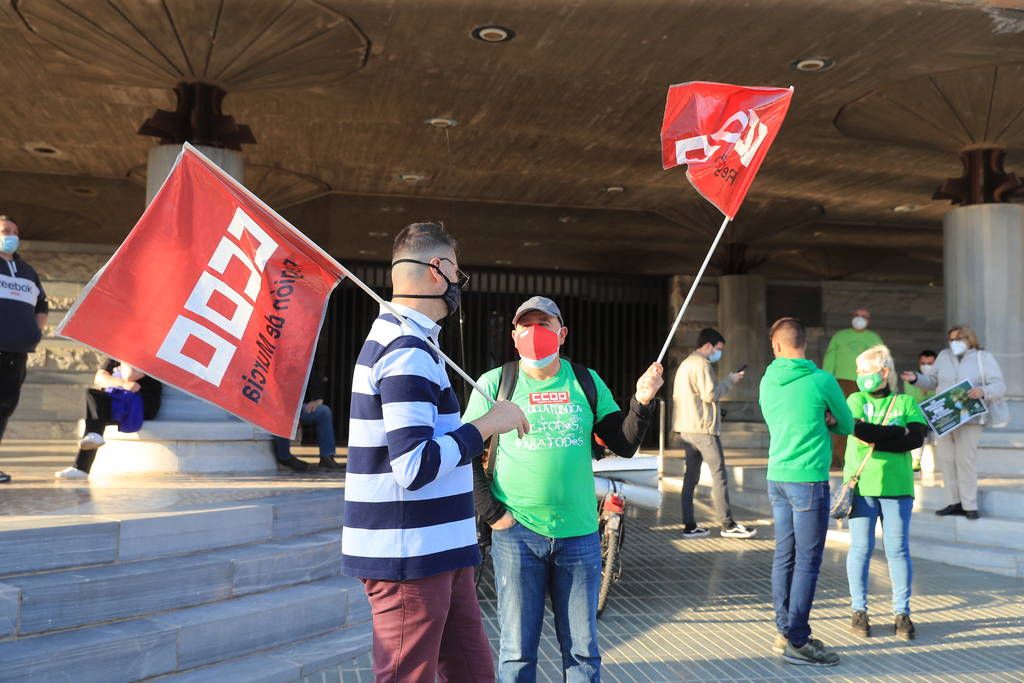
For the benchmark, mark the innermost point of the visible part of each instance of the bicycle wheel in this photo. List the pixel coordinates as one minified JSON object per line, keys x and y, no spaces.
{"x":609,"y":563}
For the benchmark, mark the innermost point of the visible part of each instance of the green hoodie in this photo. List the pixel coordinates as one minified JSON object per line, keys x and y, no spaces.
{"x":794,"y":397}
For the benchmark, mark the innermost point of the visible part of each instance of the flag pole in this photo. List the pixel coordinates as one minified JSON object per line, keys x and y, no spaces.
{"x":693,"y":288}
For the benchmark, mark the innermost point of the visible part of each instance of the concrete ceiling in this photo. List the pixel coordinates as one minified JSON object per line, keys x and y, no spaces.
{"x":337,"y":94}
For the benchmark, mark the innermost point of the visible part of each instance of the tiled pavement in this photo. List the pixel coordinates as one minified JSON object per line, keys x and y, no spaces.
{"x":700,"y":610}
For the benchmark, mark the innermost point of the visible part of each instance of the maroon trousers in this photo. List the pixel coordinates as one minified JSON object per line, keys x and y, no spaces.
{"x":429,"y":629}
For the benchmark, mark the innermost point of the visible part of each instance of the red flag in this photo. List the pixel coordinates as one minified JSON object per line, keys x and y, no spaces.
{"x":214,"y":293}
{"x":721,"y":133}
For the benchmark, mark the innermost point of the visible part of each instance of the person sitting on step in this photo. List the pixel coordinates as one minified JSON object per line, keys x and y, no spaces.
{"x":314,"y":412}
{"x":120,"y":395}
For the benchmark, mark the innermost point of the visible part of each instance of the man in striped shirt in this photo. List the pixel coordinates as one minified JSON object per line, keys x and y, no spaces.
{"x":410,"y":532}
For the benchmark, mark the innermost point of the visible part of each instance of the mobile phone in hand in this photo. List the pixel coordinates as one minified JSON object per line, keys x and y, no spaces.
{"x":741,"y":368}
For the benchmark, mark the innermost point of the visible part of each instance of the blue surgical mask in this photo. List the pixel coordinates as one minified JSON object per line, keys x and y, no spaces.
{"x":9,"y":244}
{"x":540,"y":362}
{"x":715,"y":356}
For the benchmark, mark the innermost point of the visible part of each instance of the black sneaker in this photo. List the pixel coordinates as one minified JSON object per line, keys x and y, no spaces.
{"x":327,"y":463}
{"x":4,"y":477}
{"x":739,"y":531}
{"x":695,"y":532}
{"x":811,"y":653}
{"x":294,"y":463}
{"x":971,"y":514}
{"x":859,"y":625}
{"x":955,"y":509}
{"x":904,"y":627}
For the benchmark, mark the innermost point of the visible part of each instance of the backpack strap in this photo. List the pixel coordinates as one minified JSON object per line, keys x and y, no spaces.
{"x":506,"y":386}
{"x":586,"y":380}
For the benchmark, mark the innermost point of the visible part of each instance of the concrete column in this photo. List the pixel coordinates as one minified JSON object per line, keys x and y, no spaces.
{"x":741,"y":320}
{"x":984,"y":286}
{"x":189,"y":435}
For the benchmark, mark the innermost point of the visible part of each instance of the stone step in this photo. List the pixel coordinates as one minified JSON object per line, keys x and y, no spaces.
{"x":996,"y":497}
{"x":187,"y":638}
{"x":33,"y":543}
{"x":989,"y":531}
{"x":42,"y":430}
{"x":994,"y":559}
{"x":66,"y":599}
{"x":287,"y":664}
{"x":997,"y":461}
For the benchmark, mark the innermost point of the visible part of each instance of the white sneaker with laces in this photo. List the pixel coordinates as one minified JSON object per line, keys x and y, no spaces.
{"x":91,"y":441}
{"x":696,"y":532}
{"x":739,"y":531}
{"x":71,"y":473}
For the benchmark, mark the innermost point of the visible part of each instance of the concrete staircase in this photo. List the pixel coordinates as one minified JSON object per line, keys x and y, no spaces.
{"x":993,"y":543}
{"x":249,"y":592}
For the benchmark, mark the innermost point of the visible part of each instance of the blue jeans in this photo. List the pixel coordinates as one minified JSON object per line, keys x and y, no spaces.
{"x":321,"y":418}
{"x":527,"y":568}
{"x":895,"y":515}
{"x":801,"y":522}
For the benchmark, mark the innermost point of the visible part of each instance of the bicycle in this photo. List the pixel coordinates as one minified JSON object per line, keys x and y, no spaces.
{"x":612,"y":529}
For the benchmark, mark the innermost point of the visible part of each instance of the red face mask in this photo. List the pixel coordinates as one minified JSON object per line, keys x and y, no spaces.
{"x":536,"y":342}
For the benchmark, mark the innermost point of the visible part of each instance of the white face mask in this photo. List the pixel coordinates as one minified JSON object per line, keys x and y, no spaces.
{"x":859,"y":322}
{"x":926,"y":369}
{"x":958,"y":347}
{"x":540,"y":362}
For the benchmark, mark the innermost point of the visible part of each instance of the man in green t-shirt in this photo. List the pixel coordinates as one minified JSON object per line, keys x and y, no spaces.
{"x":540,"y":503}
{"x":841,"y":362}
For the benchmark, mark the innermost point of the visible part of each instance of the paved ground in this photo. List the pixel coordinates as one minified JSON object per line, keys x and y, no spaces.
{"x":700,"y":610}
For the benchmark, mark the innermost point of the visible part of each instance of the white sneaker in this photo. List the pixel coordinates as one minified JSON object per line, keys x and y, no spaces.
{"x":71,"y":473}
{"x":91,"y":442}
{"x":739,"y":531}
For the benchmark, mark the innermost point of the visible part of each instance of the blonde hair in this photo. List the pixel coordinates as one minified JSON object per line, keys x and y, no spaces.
{"x":874,"y":360}
{"x":967,"y":334}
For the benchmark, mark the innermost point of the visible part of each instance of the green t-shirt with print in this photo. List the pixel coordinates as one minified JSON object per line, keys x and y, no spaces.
{"x":546,"y":479}
{"x":886,"y":474}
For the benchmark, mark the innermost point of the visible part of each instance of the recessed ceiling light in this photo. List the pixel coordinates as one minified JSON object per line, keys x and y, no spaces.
{"x":493,"y":34}
{"x":367,"y":252}
{"x":907,"y":208}
{"x":83,"y":191}
{"x":614,"y":189}
{"x":441,"y":122}
{"x":503,"y":262}
{"x":813,"y":64}
{"x":393,"y":209}
{"x":41,"y":149}
{"x":531,"y":244}
{"x":411,"y":177}
{"x":817,"y":233}
{"x":377,"y":233}
{"x":567,"y":219}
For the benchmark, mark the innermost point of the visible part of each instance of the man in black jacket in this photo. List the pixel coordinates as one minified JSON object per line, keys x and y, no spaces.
{"x":23,"y":312}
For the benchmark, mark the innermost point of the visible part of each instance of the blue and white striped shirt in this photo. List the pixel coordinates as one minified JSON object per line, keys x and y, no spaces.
{"x":409,"y":482}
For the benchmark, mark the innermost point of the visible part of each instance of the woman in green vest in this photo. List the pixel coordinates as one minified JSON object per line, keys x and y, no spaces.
{"x":888,"y":426}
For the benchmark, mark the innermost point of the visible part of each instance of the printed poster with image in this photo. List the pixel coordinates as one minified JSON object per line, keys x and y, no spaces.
{"x":952,"y":408}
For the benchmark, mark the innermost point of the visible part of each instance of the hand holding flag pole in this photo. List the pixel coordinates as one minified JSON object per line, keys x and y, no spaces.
{"x":721,"y":133}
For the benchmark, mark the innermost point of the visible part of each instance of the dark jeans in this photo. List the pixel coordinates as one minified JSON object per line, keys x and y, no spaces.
{"x":321,"y":418}
{"x":12,"y":376}
{"x":706,"y":448}
{"x":528,"y":568}
{"x":800,"y":511}
{"x":97,"y":417}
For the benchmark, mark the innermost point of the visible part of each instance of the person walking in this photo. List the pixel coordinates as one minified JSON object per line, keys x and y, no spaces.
{"x":697,"y":417}
{"x":799,"y":402}
{"x":888,"y":426}
{"x":540,"y":503}
{"x":23,"y":312}
{"x":841,"y":362}
{"x":410,"y":531}
{"x":957,"y":451}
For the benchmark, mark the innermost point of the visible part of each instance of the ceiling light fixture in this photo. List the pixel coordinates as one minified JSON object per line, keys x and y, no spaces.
{"x":493,"y":34}
{"x":529,"y":243}
{"x":411,"y":177}
{"x":614,"y":189}
{"x":377,"y":233}
{"x":83,"y":191}
{"x":907,"y":208}
{"x":813,"y":64}
{"x":441,"y":122}
{"x":367,"y":252}
{"x":41,"y":149}
{"x":567,"y":219}
{"x":503,"y":262}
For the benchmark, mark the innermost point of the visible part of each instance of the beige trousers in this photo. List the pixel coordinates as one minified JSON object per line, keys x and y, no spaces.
{"x":957,"y":455}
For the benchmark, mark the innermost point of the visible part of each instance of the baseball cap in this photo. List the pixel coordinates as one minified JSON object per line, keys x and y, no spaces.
{"x":538,"y":303}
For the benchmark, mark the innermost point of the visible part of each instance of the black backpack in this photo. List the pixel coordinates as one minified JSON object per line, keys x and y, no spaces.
{"x":507,"y":385}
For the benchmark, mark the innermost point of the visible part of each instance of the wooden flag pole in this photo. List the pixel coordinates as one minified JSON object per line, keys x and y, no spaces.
{"x":693,"y":288}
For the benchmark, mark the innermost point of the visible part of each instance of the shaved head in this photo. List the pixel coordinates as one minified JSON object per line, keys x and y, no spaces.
{"x":789,"y":334}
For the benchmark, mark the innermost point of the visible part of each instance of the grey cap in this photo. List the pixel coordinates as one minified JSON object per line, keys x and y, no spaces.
{"x":538,"y":303}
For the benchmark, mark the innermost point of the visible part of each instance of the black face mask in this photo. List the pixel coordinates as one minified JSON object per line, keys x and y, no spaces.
{"x":452,"y":295}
